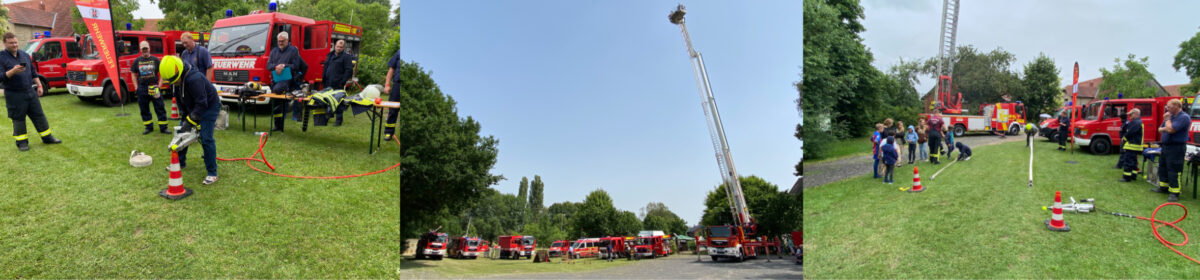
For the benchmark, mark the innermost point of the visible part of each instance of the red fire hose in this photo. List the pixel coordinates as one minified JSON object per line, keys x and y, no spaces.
{"x":262,"y":141}
{"x":1154,"y":226}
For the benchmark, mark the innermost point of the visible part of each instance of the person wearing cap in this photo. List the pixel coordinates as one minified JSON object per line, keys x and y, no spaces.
{"x":393,"y":76}
{"x":199,"y":104}
{"x":21,"y":93}
{"x":285,"y":58}
{"x":339,"y":68}
{"x":145,"y":72}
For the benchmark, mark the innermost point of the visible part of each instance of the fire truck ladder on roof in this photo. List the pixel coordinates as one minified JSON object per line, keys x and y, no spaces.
{"x":949,"y":30}
{"x":733,"y":188}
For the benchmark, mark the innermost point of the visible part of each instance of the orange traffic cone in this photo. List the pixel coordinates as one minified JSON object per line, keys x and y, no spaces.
{"x":174,"y":110}
{"x":1056,"y":222}
{"x":175,"y":189}
{"x":916,"y":181}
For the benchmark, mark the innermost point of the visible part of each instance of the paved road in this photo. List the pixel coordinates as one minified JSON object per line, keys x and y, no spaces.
{"x":837,"y":170}
{"x":684,"y":267}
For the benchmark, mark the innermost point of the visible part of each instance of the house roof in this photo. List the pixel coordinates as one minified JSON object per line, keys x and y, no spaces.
{"x":151,"y":24}
{"x":62,"y":26}
{"x":32,"y":17}
{"x":1174,"y":90}
{"x":1087,"y":89}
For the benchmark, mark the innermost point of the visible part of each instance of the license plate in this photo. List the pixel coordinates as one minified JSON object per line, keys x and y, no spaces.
{"x":72,"y":88}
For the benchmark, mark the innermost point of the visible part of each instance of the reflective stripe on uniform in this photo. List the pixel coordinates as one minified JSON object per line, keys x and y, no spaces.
{"x":44,"y":133}
{"x":147,"y":122}
{"x":162,"y":122}
{"x":277,"y":115}
{"x":21,"y":137}
{"x":389,"y":125}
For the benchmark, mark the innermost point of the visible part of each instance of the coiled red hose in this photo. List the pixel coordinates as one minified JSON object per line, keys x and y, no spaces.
{"x":1154,"y":226}
{"x":262,"y":141}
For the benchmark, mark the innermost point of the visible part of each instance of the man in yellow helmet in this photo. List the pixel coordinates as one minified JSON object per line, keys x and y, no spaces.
{"x":198,"y":103}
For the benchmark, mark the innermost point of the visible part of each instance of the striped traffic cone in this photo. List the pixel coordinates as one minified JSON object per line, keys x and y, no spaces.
{"x":174,"y":110}
{"x":1056,"y":222}
{"x":916,"y":181}
{"x":175,"y":189}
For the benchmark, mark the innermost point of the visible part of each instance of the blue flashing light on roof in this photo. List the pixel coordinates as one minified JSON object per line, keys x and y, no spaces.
{"x":272,"y":7}
{"x":128,"y":26}
{"x":46,"y":34}
{"x":229,"y":13}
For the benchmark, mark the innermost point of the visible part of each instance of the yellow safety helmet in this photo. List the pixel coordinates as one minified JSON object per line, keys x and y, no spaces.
{"x":170,"y":69}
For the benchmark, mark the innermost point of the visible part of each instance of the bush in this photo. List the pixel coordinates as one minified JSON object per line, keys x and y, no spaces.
{"x":817,"y":144}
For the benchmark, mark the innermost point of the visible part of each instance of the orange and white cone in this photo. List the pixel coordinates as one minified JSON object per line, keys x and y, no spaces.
{"x":175,"y":189}
{"x":1056,"y":222}
{"x":916,"y":181}
{"x":174,"y":110}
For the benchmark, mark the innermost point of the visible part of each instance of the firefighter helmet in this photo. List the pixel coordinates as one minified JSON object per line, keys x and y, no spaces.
{"x":371,"y":92}
{"x":171,"y":69}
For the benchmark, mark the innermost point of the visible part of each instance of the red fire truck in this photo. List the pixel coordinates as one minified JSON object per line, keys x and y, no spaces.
{"x":517,"y":246}
{"x":1049,"y":126}
{"x":1101,"y":122}
{"x":465,"y":247}
{"x":52,"y":55}
{"x":241,"y":45}
{"x":1005,"y":117}
{"x":432,"y":245}
{"x":88,"y":80}
{"x":650,"y":247}
{"x":559,"y":247}
{"x":618,"y":243}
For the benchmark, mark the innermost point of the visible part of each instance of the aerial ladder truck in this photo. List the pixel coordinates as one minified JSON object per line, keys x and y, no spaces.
{"x":735,"y":241}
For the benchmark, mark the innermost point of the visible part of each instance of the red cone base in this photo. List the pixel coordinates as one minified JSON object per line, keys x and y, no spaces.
{"x":165,"y":193}
{"x":1064,"y":227}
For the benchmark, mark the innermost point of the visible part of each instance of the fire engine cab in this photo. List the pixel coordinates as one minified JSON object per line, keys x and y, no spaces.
{"x":88,"y":79}
{"x":1004,"y":117}
{"x":52,"y":55}
{"x":1101,"y":122}
{"x":241,"y":45}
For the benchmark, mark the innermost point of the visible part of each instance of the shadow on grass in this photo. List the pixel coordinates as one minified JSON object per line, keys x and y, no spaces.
{"x":413,"y":263}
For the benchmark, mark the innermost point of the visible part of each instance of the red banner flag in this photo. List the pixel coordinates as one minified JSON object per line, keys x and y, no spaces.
{"x":97,"y":17}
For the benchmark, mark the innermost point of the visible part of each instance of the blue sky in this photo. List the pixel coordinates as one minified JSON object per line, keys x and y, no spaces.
{"x":600,"y":94}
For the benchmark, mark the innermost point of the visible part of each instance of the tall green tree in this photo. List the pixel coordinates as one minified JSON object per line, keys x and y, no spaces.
{"x":372,"y":16}
{"x":523,"y":190}
{"x":757,"y":192}
{"x":200,"y":15}
{"x":625,"y":223}
{"x":781,"y":214}
{"x":1042,"y":94}
{"x":122,"y":12}
{"x":1128,"y":78}
{"x":656,"y":216}
{"x":596,"y":216}
{"x":535,"y":195}
{"x":443,"y":156}
{"x":980,"y":77}
{"x":3,"y":19}
{"x":842,"y":84}
{"x":1188,"y":59}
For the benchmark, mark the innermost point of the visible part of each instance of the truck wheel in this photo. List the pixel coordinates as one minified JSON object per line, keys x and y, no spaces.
{"x":1100,"y":146}
{"x":1014,"y":130}
{"x":1053,"y":134}
{"x":714,"y":258}
{"x":437,"y":258}
{"x":959,"y":130}
{"x":109,"y":96}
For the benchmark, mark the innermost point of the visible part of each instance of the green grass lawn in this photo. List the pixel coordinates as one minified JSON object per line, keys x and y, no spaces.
{"x":979,"y":219}
{"x":79,"y":210}
{"x":456,"y":268}
{"x":845,"y":148}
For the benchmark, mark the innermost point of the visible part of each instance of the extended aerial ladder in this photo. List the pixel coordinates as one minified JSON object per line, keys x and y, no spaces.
{"x":733,"y":188}
{"x":945,"y":66}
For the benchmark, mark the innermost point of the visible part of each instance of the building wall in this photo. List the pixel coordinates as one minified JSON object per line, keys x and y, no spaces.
{"x":25,"y":32}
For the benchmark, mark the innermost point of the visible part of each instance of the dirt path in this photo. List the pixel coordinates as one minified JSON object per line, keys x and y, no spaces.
{"x":837,"y":170}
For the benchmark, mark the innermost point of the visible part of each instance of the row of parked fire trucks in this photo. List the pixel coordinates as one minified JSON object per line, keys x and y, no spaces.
{"x":239,"y":46}
{"x":435,"y":245}
{"x":1098,"y":124}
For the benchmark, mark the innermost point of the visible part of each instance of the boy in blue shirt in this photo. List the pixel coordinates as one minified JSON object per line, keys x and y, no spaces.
{"x":889,"y":155}
{"x":911,"y":138}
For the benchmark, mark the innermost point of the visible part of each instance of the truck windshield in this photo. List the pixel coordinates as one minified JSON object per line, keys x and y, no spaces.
{"x":473,"y":243}
{"x":556,"y":244}
{"x":1093,"y":111}
{"x":719,"y":232}
{"x":441,"y":238}
{"x":30,"y":47}
{"x":645,"y":241}
{"x":527,"y":241}
{"x":1194,"y":111}
{"x":240,"y":40}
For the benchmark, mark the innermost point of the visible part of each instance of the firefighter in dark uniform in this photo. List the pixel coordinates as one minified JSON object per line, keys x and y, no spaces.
{"x":145,"y":72}
{"x":285,"y":58}
{"x":1124,"y":120}
{"x":21,"y":93}
{"x":1064,"y":127}
{"x":936,"y":126}
{"x":1132,"y":137}
{"x":339,"y":68}
{"x":1174,"y":140}
{"x":393,"y":76}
